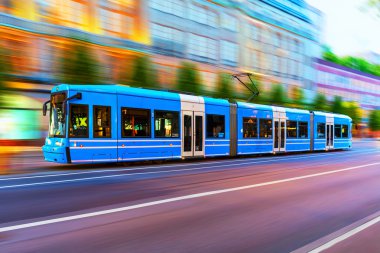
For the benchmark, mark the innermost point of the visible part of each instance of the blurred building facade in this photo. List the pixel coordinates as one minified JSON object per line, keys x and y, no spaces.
{"x":277,"y":40}
{"x":350,"y":84}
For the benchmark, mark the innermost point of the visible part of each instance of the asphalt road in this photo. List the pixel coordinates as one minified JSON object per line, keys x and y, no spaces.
{"x":283,"y":203}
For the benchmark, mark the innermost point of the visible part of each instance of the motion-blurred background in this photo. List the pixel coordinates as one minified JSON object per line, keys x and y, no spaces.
{"x":187,"y":45}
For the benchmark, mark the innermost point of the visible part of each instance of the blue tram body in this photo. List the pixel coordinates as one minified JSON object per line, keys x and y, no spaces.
{"x":111,"y":123}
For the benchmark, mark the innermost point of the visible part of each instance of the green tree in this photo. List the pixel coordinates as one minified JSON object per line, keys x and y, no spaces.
{"x":5,"y":70}
{"x":320,"y":103}
{"x":337,"y":105}
{"x":278,"y":95}
{"x":188,"y":78}
{"x":298,"y":97}
{"x":143,"y":73}
{"x":328,"y":54}
{"x":79,"y":66}
{"x":374,"y":120}
{"x":352,"y":109}
{"x":224,"y":86}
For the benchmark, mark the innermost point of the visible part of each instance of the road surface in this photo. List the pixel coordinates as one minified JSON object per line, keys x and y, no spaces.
{"x":284,"y":203}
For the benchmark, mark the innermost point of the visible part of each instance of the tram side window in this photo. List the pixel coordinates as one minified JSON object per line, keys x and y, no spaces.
{"x":291,"y":127}
{"x":166,"y":124}
{"x":102,"y":121}
{"x":321,"y":130}
{"x":344,"y":131}
{"x":249,"y":128}
{"x":265,"y":128}
{"x":302,"y":130}
{"x":338,"y":131}
{"x":78,"y":121}
{"x":215,"y":126}
{"x":135,"y":123}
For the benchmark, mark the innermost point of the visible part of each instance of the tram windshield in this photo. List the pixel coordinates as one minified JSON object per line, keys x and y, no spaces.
{"x":57,"y":127}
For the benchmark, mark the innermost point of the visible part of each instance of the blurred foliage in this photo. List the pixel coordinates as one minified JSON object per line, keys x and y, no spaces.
{"x":278,"y":95}
{"x":143,"y":73}
{"x":79,"y":66}
{"x":337,"y":105}
{"x":352,"y":109}
{"x":320,"y":103}
{"x":298,"y":97}
{"x":351,"y":62}
{"x":374,"y":120}
{"x":5,"y":70}
{"x":375,"y":4}
{"x":188,"y":78}
{"x":224,"y":87}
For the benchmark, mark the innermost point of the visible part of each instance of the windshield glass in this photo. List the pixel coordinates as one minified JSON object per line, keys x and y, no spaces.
{"x":57,"y":127}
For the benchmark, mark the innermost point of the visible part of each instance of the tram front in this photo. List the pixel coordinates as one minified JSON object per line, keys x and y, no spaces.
{"x":56,"y":148}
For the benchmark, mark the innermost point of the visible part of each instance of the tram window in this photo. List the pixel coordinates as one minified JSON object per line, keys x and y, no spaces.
{"x":249,"y":127}
{"x":215,"y":126}
{"x":102,"y":121}
{"x":344,"y":131}
{"x":291,"y":127}
{"x":78,"y":121}
{"x":302,"y":130}
{"x":135,"y":123}
{"x":265,"y":128}
{"x":166,"y":124}
{"x":338,"y":131}
{"x":321,"y":130}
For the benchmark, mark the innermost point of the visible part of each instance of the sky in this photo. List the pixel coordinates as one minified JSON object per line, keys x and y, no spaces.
{"x":348,"y":27}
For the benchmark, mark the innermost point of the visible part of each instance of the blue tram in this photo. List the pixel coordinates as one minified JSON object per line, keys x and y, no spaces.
{"x":111,"y":123}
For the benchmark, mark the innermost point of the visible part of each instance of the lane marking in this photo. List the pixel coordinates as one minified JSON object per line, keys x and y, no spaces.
{"x":255,"y":160}
{"x":175,"y":199}
{"x":130,"y":174}
{"x":250,"y":162}
{"x":346,"y":235}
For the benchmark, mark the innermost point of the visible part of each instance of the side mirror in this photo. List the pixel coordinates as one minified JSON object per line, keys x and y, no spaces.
{"x":44,"y":108}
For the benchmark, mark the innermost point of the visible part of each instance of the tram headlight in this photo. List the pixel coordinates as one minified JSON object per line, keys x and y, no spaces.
{"x":48,"y":141}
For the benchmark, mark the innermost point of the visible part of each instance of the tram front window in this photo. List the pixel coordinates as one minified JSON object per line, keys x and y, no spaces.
{"x":57,"y":126}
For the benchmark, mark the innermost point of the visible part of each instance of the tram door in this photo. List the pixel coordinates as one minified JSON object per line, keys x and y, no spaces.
{"x":193,"y":137}
{"x":329,"y":132}
{"x":279,"y":129}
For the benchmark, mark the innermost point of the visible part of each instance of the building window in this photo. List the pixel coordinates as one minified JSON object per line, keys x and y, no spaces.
{"x":135,"y":122}
{"x":229,"y":51}
{"x":111,"y":22}
{"x":302,"y":130}
{"x":74,"y":12}
{"x":203,"y":47}
{"x":265,"y":128}
{"x":250,"y":128}
{"x":102,"y":121}
{"x":203,"y":16}
{"x":291,"y":127}
{"x":166,"y":124}
{"x":78,"y":121}
{"x":344,"y":131}
{"x":215,"y":126}
{"x":175,"y":7}
{"x":255,"y":32}
{"x":229,"y":22}
{"x":167,"y":33}
{"x":321,"y":131}
{"x":338,"y":131}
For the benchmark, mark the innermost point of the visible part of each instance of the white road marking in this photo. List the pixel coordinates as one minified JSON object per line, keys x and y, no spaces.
{"x":255,"y":160}
{"x":175,"y":199}
{"x":346,"y":235}
{"x":130,"y":174}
